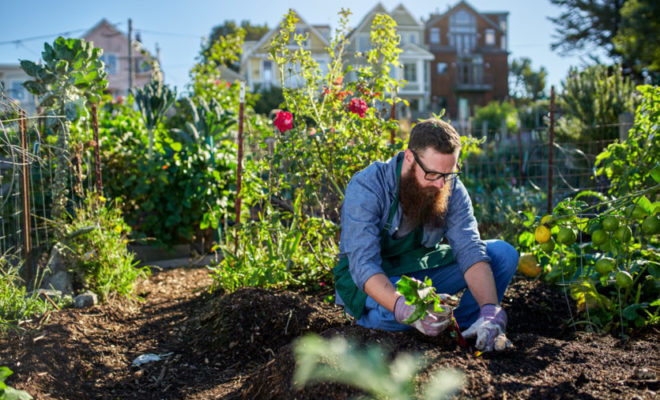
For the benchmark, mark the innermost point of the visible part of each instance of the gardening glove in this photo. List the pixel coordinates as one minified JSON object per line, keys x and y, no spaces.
{"x":433,"y":322}
{"x":489,"y":329}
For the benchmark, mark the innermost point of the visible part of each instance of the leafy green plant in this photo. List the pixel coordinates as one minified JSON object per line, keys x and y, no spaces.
{"x":153,"y":100}
{"x":591,"y":102}
{"x":420,"y":294}
{"x":16,"y":304}
{"x":7,"y":392}
{"x":606,"y":245}
{"x":337,"y":360}
{"x":278,"y":252}
{"x":96,"y":238}
{"x":495,"y":114}
{"x":71,"y":77}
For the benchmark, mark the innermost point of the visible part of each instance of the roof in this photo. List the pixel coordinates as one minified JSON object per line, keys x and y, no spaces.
{"x":267,"y":36}
{"x":434,"y":18}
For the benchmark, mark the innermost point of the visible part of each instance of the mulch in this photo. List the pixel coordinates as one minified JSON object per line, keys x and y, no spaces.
{"x":238,"y":346}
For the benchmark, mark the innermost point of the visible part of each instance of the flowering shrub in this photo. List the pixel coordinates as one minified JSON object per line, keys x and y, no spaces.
{"x":358,"y":106}
{"x":324,"y":137}
{"x":283,"y":121}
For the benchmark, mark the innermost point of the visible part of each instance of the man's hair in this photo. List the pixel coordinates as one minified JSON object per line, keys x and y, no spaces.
{"x":434,"y":133}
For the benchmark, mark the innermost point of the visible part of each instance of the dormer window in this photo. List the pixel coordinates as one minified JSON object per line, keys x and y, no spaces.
{"x":490,"y":37}
{"x":434,"y":37}
{"x":463,"y":31}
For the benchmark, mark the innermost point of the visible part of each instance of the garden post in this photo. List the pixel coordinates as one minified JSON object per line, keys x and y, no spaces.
{"x":521,"y":174}
{"x":551,"y":138}
{"x":25,"y":188}
{"x":239,"y":166}
{"x":392,"y":118}
{"x":97,"y":150}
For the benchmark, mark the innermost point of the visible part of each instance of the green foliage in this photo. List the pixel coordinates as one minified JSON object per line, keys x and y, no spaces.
{"x":592,"y":101}
{"x":95,"y":245}
{"x":71,"y":77}
{"x":583,"y":24}
{"x":534,"y":116}
{"x":640,"y":21}
{"x":620,"y":228}
{"x":422,"y":295}
{"x":629,"y":165}
{"x":228,"y":28}
{"x":495,"y":114}
{"x":528,"y":85}
{"x":267,"y":99}
{"x":277,"y":253}
{"x":153,"y":100}
{"x":7,"y":392}
{"x":188,"y":180}
{"x":337,"y":360}
{"x":16,"y":304}
{"x":329,"y":143}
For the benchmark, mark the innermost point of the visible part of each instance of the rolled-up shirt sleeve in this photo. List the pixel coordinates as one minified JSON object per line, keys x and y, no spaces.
{"x":462,"y":230}
{"x":360,"y":235}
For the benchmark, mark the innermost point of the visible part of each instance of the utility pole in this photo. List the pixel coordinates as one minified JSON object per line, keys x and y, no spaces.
{"x":130,"y":55}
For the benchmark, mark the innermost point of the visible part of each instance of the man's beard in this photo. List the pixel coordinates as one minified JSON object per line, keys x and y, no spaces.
{"x":423,"y":205}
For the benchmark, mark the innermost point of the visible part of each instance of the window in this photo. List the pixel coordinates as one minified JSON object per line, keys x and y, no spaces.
{"x":267,"y":73}
{"x":413,"y":38}
{"x":142,"y":66}
{"x":490,"y":37}
{"x":364,"y":43}
{"x":410,"y":72}
{"x":442,"y":68}
{"x":463,"y":31}
{"x":503,"y":42}
{"x":110,"y":61}
{"x":435,"y":35}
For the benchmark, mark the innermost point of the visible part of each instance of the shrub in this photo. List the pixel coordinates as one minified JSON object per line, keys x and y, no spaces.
{"x":95,"y":247}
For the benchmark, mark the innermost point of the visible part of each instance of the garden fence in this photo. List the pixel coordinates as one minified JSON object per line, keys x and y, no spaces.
{"x":511,"y":173}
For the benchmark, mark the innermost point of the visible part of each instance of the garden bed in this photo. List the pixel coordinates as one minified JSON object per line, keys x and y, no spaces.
{"x":238,"y":346}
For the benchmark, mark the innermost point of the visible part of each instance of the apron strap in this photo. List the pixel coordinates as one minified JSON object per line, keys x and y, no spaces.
{"x":395,"y":203}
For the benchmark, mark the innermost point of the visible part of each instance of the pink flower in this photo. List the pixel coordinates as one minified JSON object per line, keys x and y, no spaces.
{"x":217,"y":82}
{"x":283,"y":121}
{"x":358,"y":106}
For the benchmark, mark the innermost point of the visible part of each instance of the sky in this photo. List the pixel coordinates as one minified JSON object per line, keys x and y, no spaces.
{"x":177,"y":27}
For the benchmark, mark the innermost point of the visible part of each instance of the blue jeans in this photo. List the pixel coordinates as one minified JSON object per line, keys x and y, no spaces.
{"x":449,"y":279}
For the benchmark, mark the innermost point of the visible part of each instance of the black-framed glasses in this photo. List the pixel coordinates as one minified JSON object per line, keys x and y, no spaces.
{"x":434,"y":175}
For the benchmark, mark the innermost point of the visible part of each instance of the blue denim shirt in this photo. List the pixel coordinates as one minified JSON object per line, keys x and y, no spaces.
{"x":365,"y":211}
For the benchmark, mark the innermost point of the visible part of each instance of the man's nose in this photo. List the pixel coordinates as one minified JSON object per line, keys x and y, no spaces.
{"x":439,"y":183}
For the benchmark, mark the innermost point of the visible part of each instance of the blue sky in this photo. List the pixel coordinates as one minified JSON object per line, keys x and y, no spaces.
{"x":177,"y":27}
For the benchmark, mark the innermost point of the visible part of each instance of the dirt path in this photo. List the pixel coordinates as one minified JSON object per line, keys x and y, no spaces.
{"x":236,"y":346}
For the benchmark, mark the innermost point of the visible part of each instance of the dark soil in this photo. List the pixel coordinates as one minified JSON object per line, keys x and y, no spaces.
{"x":239,"y":346}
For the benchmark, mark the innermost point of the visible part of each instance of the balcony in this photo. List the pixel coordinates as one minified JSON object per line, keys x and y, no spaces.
{"x":470,"y":77}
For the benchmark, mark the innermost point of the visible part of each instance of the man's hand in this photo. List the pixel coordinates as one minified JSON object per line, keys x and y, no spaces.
{"x":433,"y":322}
{"x":489,"y":329}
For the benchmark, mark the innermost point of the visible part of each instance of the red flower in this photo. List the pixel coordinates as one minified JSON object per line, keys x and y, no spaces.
{"x":358,"y":106}
{"x":283,"y":121}
{"x":228,"y":84}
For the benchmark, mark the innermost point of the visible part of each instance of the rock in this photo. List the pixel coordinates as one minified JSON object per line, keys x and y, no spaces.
{"x":56,"y":276}
{"x":86,"y":299}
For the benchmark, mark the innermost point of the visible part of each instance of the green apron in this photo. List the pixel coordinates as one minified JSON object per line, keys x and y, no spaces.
{"x":400,"y":256}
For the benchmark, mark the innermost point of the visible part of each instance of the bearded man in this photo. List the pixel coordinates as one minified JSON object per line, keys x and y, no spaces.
{"x":394,"y":219}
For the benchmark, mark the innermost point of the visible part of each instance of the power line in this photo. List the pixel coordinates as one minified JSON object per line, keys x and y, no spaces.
{"x":169,"y":33}
{"x":65,"y":33}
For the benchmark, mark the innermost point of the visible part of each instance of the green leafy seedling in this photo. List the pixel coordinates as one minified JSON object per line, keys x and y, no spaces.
{"x":420,"y":294}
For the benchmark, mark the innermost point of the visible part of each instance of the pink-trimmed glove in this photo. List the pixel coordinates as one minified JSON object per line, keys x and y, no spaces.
{"x":433,"y":322}
{"x":489,"y":329}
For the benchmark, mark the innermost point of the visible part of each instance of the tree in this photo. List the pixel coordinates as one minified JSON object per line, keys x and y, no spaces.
{"x":227,"y":28}
{"x":638,"y":33}
{"x":587,"y":22}
{"x":527,"y":83}
{"x":591,"y":102}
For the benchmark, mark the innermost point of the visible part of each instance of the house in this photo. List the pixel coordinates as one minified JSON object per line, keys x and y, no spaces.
{"x":415,"y":58}
{"x":470,"y":64}
{"x":261,"y":72}
{"x":11,"y":79}
{"x":116,"y":58}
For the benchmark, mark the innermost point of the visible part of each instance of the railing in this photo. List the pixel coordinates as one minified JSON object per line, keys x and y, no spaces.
{"x":471,"y":76}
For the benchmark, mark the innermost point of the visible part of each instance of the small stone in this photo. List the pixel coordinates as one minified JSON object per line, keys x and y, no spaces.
{"x":86,"y":299}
